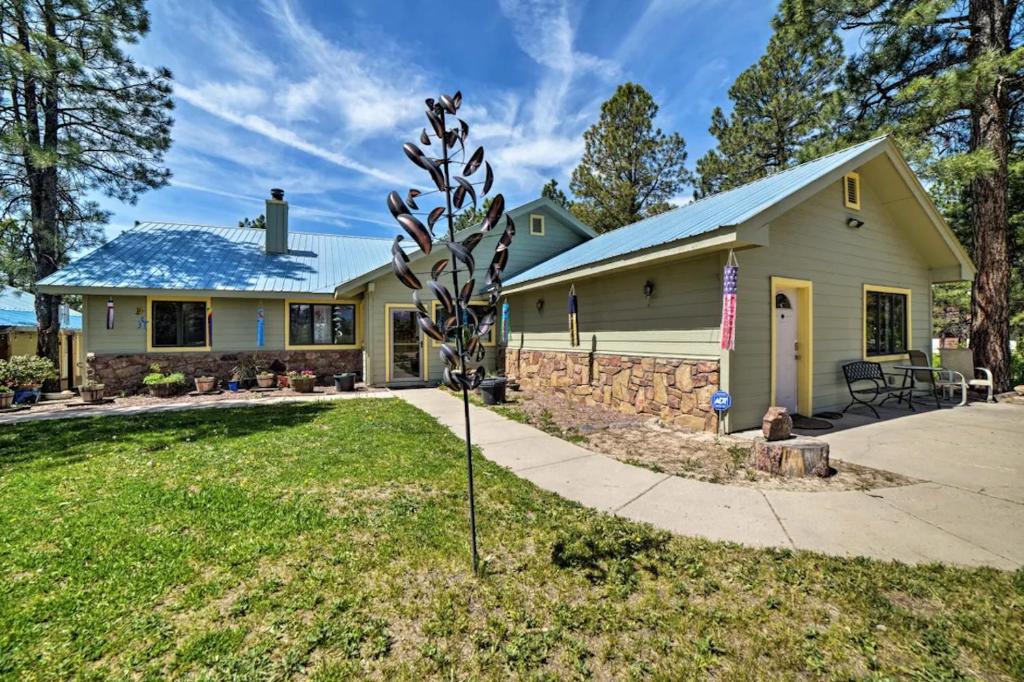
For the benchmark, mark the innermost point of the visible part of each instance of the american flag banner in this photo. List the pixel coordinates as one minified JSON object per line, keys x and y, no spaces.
{"x":110,"y":313}
{"x":574,"y":326}
{"x":729,"y":278}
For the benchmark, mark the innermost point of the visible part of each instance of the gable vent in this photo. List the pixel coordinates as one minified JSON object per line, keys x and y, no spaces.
{"x":851,"y":191}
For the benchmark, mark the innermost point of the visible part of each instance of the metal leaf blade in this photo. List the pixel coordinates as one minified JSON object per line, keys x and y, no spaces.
{"x":416,"y":230}
{"x":494,"y":212}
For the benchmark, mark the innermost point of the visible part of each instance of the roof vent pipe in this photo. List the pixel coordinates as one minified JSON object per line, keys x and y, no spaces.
{"x":277,"y":222}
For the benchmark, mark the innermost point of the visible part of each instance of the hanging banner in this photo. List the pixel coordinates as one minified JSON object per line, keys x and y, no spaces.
{"x":110,"y":313}
{"x":506,"y":329}
{"x":574,"y":327}
{"x":729,"y":285}
{"x":259,"y":327}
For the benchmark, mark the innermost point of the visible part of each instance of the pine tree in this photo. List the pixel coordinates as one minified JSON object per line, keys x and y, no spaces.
{"x":77,"y":115}
{"x":257,"y":223}
{"x":780,"y":106}
{"x":629,"y":167}
{"x":551,"y":191}
{"x":946,"y":75}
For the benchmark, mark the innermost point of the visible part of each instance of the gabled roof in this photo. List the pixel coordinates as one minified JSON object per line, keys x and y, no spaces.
{"x":17,"y":309}
{"x":733,"y":208}
{"x":220,"y":259}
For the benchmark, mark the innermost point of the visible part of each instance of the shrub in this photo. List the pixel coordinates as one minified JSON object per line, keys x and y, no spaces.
{"x":156,"y":377}
{"x":26,"y":370}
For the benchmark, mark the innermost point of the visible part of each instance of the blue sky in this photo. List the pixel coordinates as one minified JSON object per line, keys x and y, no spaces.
{"x":318,"y":96}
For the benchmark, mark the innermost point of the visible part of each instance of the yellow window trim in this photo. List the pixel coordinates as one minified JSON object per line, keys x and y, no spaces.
{"x":323,"y":346}
{"x":542,"y":225}
{"x":855,"y":179}
{"x":804,"y":336}
{"x":494,"y":329}
{"x":150,"y":348}
{"x":388,"y":307}
{"x":864,"y":322}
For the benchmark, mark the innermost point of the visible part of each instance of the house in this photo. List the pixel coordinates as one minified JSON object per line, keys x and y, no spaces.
{"x":197,"y":298}
{"x":836,"y":261}
{"x":18,"y":333}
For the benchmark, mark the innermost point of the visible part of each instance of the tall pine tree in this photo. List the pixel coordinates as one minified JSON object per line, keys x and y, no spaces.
{"x":780,"y":106}
{"x":629,"y":169}
{"x":946,"y":76}
{"x":77,"y":115}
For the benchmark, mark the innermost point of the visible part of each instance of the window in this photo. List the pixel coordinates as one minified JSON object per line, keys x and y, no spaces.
{"x":851,"y":191}
{"x":477,"y":307}
{"x":178,"y":324}
{"x":321,"y":324}
{"x":536,"y":224}
{"x":886,"y":322}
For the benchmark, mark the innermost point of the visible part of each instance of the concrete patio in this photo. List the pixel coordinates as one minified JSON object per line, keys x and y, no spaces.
{"x":968,"y":510}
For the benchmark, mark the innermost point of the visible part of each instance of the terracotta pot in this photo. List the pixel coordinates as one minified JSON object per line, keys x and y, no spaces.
{"x":302,"y":384}
{"x":6,"y":400}
{"x":282,"y":380}
{"x":265,"y":380}
{"x":206,"y":384}
{"x":91,"y":394}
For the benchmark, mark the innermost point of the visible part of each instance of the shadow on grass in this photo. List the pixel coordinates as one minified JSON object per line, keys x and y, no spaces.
{"x":64,"y":442}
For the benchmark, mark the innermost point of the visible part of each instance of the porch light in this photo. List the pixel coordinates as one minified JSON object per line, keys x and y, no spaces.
{"x":648,"y":290}
{"x":540,"y":304}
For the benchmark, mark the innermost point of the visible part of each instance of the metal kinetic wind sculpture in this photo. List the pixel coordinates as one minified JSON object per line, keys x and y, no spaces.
{"x":464,"y":328}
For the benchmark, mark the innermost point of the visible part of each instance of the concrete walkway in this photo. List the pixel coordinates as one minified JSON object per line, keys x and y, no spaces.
{"x":971,"y":515}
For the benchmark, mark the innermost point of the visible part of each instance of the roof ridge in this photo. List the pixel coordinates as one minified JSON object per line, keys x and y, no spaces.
{"x":247,"y":229}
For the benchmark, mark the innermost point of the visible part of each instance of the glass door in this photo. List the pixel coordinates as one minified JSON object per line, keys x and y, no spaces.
{"x":405,"y":345}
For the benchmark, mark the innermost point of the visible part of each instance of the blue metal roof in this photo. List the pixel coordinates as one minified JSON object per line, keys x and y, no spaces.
{"x":732,"y":207}
{"x":202,"y":257}
{"x":17,"y":309}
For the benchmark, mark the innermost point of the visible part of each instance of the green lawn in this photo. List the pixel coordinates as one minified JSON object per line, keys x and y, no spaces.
{"x":330,"y":541}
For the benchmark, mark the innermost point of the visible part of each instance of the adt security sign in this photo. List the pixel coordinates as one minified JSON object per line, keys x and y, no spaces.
{"x":721,"y":401}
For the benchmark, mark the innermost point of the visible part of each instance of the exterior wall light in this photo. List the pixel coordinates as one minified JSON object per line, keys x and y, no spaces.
{"x":854,"y":223}
{"x":540,"y":304}
{"x":648,"y":290}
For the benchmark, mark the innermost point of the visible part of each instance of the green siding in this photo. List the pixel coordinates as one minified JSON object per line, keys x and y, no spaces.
{"x":126,"y":336}
{"x":527,"y":250}
{"x":680,"y":320}
{"x":812,"y":242}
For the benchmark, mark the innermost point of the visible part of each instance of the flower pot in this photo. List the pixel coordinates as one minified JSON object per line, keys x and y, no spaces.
{"x":163,"y":390}
{"x":345,"y":382}
{"x":205,"y":384}
{"x":302,"y":384}
{"x":246,"y":383}
{"x":265,"y":380}
{"x":282,"y":380}
{"x":233,"y":386}
{"x":27,"y":394}
{"x":6,"y":399}
{"x":493,"y":390}
{"x":91,"y":394}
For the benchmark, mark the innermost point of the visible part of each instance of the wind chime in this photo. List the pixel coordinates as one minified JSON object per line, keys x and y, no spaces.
{"x":464,"y":329}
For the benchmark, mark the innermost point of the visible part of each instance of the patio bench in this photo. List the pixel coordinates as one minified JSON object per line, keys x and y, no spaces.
{"x":867,"y":382}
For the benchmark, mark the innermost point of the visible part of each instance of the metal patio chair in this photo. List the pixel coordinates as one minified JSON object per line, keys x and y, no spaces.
{"x":961,"y":361}
{"x":867,"y":382}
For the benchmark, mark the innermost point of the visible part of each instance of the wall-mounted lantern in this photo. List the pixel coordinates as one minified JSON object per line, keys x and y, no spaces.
{"x":648,"y":291}
{"x":540,"y":305}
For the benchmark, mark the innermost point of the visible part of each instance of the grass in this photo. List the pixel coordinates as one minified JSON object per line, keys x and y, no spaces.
{"x":329,"y":542}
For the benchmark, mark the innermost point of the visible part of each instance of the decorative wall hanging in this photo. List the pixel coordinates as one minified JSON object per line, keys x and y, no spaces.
{"x":729,"y":284}
{"x":110,"y":313}
{"x":260,"y":327}
{"x":574,"y":326}
{"x":506,"y":323}
{"x":141,"y":322}
{"x":209,"y":326}
{"x":464,"y":326}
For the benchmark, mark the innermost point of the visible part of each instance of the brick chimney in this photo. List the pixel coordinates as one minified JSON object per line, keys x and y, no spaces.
{"x":277,"y":222}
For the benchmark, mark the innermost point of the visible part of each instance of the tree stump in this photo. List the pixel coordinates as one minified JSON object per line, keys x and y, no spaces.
{"x":798,"y":456}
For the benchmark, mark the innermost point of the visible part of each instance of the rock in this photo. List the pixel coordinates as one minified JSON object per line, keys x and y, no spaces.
{"x":620,"y":384}
{"x":799,"y":456}
{"x":1019,"y":389}
{"x":689,"y":421}
{"x":660,"y":388}
{"x":777,"y":424}
{"x":684,"y":378}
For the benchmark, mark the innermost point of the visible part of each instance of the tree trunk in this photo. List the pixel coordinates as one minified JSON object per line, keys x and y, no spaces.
{"x":990,"y":326}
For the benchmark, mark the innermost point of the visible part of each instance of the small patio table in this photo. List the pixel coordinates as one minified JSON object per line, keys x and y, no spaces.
{"x":908,"y":375}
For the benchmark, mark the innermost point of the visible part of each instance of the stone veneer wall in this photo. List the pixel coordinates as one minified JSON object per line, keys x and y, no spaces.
{"x":676,"y":390}
{"x":123,"y":373}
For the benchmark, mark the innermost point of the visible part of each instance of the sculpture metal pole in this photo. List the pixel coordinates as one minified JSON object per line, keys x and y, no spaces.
{"x":461,"y":322}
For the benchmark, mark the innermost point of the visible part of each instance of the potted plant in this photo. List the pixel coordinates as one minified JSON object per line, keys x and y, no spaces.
{"x":265,"y":379}
{"x":344,"y":382}
{"x":233,"y":383}
{"x":26,"y":374}
{"x":6,"y":386}
{"x":205,"y":384}
{"x":163,"y":385}
{"x":302,"y":382}
{"x":91,"y":390}
{"x":245,"y":372}
{"x":282,"y":380}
